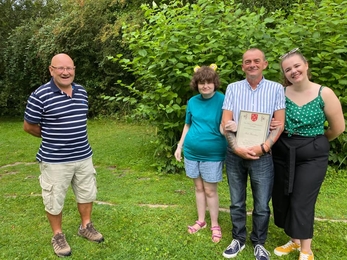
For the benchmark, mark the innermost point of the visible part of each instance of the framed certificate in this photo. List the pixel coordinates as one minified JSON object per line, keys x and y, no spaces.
{"x":252,"y":128}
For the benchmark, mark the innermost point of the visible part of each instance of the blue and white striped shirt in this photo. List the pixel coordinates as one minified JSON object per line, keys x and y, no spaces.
{"x":63,"y":122}
{"x":268,"y":97}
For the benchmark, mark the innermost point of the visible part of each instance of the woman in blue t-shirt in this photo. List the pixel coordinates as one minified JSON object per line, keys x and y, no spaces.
{"x":204,"y":146}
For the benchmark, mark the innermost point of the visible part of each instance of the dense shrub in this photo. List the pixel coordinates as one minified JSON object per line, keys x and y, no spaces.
{"x":158,"y":46}
{"x":88,"y":31}
{"x":176,"y":37}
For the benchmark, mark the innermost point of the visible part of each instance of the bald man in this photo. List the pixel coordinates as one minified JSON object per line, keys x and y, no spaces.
{"x":56,"y":112}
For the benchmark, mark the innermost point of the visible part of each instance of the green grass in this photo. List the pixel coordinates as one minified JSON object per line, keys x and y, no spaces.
{"x":142,"y":214}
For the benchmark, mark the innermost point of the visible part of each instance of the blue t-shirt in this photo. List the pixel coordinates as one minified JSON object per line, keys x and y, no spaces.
{"x":204,"y":142}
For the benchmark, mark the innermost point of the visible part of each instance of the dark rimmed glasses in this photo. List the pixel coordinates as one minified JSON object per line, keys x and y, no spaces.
{"x":288,"y":53}
{"x":62,"y":69}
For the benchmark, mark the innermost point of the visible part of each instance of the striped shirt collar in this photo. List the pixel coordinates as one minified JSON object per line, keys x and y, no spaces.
{"x":260,"y":84}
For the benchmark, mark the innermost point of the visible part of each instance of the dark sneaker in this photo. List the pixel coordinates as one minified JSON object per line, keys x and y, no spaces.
{"x":233,"y":249}
{"x":261,"y":253}
{"x":60,"y":245}
{"x":90,"y":233}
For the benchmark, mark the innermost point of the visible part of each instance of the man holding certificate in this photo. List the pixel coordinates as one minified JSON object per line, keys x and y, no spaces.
{"x":248,"y":107}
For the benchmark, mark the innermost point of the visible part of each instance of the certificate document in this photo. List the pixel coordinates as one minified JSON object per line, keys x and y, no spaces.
{"x":252,"y":128}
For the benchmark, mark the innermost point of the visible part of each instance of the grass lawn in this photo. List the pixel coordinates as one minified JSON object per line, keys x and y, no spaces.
{"x":142,"y":214}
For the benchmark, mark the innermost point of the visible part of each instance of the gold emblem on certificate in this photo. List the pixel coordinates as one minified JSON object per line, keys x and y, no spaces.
{"x":252,"y":128}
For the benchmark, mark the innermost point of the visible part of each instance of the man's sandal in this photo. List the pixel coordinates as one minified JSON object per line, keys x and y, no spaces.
{"x":216,"y":237}
{"x":192,"y":229}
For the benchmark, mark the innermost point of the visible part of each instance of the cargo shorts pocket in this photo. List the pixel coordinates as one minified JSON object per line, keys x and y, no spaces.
{"x":47,"y":194}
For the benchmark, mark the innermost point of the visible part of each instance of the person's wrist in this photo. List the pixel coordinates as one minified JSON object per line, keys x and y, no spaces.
{"x":262,"y":148}
{"x":235,"y":149}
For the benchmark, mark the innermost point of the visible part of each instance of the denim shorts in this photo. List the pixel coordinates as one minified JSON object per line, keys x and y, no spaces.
{"x":211,"y":172}
{"x":55,"y":180}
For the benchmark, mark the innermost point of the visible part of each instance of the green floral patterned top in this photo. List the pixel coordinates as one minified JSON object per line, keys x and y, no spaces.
{"x":306,"y":120}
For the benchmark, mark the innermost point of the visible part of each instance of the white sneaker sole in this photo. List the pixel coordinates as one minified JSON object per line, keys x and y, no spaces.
{"x":278,"y":253}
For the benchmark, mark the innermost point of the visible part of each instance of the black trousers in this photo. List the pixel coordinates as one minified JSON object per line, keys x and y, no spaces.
{"x":300,"y":165}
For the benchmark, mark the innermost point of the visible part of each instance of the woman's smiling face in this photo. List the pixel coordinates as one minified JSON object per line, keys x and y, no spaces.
{"x":206,"y":89}
{"x":295,"y":69}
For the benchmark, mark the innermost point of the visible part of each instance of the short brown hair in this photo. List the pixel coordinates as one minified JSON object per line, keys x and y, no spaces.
{"x":205,"y":74}
{"x":254,"y":49}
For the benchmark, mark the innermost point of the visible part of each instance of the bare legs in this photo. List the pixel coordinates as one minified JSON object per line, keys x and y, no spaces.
{"x":200,"y":199}
{"x":55,"y":221}
{"x":305,"y":244}
{"x":85,"y":210}
{"x":206,"y":195}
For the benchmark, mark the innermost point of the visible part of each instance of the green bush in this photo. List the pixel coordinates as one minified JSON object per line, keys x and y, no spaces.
{"x":324,"y":44}
{"x":86,"y":30}
{"x":174,"y":38}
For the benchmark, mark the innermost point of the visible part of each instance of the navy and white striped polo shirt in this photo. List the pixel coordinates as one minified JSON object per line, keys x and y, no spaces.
{"x":63,"y":122}
{"x":268,"y":97}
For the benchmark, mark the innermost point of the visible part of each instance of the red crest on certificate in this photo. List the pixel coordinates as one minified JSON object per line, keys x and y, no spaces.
{"x":252,"y":128}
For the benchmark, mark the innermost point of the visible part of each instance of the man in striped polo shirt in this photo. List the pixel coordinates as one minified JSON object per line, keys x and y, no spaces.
{"x":56,"y":112}
{"x":255,"y":94}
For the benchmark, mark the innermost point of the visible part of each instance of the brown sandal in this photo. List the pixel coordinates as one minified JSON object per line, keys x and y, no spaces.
{"x":216,"y":237}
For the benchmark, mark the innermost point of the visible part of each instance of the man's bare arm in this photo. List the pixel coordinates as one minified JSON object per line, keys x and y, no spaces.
{"x":230,"y":136}
{"x":231,"y":139}
{"x":33,"y":129}
{"x":279,"y":116}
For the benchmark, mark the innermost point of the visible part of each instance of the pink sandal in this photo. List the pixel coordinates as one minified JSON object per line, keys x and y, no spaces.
{"x":216,"y":237}
{"x":192,"y":230}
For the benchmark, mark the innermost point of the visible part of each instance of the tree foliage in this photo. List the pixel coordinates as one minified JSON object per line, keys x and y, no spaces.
{"x":32,"y":31}
{"x":271,"y":5}
{"x":88,"y":31}
{"x":16,"y":19}
{"x":157,"y":46}
{"x":176,"y":37}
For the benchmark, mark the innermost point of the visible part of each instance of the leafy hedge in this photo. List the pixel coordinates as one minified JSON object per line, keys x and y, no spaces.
{"x":156,"y":58}
{"x":174,"y":38}
{"x":88,"y":31}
